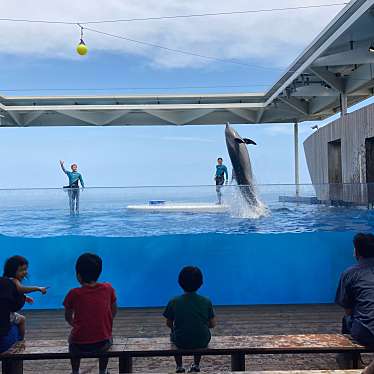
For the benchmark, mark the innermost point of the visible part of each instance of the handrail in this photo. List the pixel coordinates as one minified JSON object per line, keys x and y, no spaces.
{"x":186,"y":186}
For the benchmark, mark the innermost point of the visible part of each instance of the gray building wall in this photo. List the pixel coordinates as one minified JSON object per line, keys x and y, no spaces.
{"x":351,"y":130}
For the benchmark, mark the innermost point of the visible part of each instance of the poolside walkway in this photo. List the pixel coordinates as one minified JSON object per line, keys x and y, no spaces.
{"x":255,"y":320}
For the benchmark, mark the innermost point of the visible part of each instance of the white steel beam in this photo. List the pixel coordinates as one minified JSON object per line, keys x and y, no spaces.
{"x":27,"y":118}
{"x":296,"y":104}
{"x":279,"y":115}
{"x":331,"y":79}
{"x":140,"y":107}
{"x":296,"y":156}
{"x":248,"y":115}
{"x":94,"y":118}
{"x":178,"y":117}
{"x":320,"y":103}
{"x":112,"y":116}
{"x":337,"y":28}
{"x":357,"y":56}
{"x":16,"y":117}
{"x":87,"y":117}
{"x":314,"y":90}
{"x":260,"y":113}
{"x":360,"y":78}
{"x":343,"y":104}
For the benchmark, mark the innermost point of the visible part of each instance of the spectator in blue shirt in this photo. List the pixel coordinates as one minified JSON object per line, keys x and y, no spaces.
{"x":355,"y":293}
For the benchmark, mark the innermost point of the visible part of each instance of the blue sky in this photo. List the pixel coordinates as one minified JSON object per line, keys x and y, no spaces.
{"x":39,"y":57}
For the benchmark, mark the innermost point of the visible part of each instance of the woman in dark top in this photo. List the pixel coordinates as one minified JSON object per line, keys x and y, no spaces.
{"x":10,"y":301}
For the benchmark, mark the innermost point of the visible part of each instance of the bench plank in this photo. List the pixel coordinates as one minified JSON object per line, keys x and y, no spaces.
{"x":54,"y":349}
{"x":236,"y":346}
{"x":338,"y":371}
{"x":251,"y":344}
{"x":350,"y":371}
{"x":136,"y":347}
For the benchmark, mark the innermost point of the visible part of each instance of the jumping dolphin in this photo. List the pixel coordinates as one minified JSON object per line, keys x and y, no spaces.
{"x":242,"y":169}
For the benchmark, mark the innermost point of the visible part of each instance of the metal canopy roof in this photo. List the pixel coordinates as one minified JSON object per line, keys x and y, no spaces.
{"x":336,"y":65}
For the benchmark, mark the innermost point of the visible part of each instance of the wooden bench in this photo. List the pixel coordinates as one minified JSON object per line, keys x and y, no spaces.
{"x":235,"y":346}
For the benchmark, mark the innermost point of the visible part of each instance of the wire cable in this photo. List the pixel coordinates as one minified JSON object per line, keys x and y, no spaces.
{"x":164,"y":88}
{"x":178,"y":16}
{"x":239,"y":12}
{"x":180,"y":51}
{"x":174,"y":50}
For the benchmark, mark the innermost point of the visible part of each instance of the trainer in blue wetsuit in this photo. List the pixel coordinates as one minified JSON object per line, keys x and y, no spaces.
{"x":221,"y":173}
{"x":73,"y":187}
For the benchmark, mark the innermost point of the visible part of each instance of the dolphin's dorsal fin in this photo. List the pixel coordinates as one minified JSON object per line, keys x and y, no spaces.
{"x":249,"y":141}
{"x":245,"y":140}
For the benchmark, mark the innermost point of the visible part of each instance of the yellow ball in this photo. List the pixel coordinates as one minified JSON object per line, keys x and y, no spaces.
{"x":82,"y":49}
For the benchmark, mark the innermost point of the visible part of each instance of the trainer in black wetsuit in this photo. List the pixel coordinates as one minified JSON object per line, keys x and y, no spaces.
{"x":221,"y":172}
{"x":73,"y":187}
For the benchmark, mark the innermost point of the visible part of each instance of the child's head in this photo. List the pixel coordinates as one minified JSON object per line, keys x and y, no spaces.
{"x":88,"y":268}
{"x":219,"y":160}
{"x":74,"y":167}
{"x":190,"y":278}
{"x":364,"y":245}
{"x":16,"y":267}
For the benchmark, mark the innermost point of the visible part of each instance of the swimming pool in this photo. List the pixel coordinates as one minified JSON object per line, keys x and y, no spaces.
{"x":288,"y":254}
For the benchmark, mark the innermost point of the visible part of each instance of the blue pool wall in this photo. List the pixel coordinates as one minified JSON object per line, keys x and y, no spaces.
{"x":286,"y":268}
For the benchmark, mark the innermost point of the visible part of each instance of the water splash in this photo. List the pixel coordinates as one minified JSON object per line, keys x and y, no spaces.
{"x":239,"y":207}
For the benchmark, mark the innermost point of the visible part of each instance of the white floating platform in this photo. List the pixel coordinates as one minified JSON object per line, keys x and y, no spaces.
{"x":180,"y":207}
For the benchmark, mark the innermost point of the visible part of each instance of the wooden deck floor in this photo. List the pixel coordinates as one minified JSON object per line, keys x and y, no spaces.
{"x":246,"y":320}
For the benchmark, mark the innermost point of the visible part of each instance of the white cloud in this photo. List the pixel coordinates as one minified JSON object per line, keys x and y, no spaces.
{"x":176,"y":138}
{"x":251,"y":38}
{"x":187,"y":139}
{"x":284,"y":129}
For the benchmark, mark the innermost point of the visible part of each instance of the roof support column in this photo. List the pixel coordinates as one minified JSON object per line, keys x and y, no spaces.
{"x":343,"y":104}
{"x":296,"y":154}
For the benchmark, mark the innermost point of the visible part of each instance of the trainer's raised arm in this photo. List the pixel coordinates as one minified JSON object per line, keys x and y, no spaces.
{"x":62,"y":166}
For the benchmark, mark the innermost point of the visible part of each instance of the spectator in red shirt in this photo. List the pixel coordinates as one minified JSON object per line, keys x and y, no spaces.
{"x":90,"y":310}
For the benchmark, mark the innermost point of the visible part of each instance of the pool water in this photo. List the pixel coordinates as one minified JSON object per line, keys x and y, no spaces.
{"x":287,"y":254}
